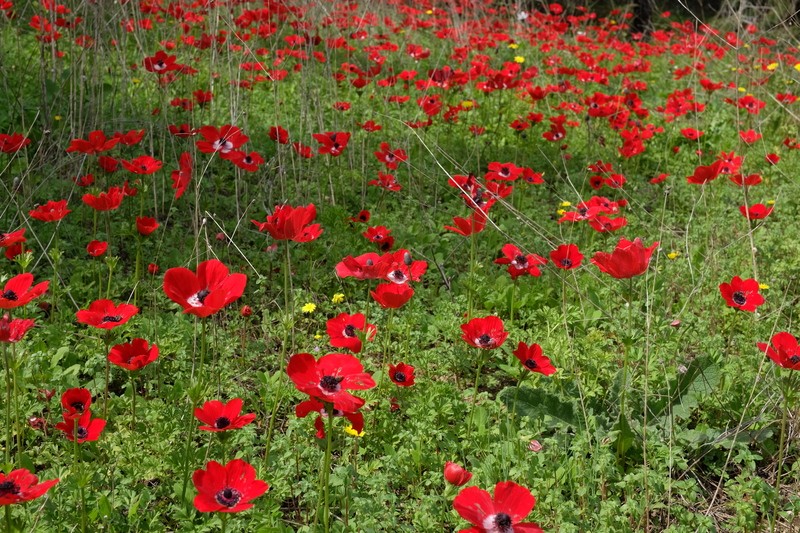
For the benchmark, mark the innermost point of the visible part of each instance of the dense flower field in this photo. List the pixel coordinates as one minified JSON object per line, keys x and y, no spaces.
{"x":400,"y":266}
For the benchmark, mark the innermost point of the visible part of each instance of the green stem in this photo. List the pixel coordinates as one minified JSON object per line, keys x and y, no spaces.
{"x":187,"y":451}
{"x":224,"y":519}
{"x":474,"y":395}
{"x":8,"y":518}
{"x":108,"y":375}
{"x":7,"y":364}
{"x":784,"y":416}
{"x":326,"y":469}
{"x":133,"y":401}
{"x":470,"y":285}
{"x":288,"y":305}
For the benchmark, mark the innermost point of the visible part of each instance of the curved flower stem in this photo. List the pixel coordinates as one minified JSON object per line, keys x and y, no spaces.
{"x":475,"y":394}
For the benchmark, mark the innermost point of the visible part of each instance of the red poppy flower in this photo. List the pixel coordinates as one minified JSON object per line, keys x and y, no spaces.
{"x":133,"y":355}
{"x":104,"y":314}
{"x":130,"y":138}
{"x":313,"y":405}
{"x":750,"y":136}
{"x":520,"y":264}
{"x":532,"y":358}
{"x":487,"y":332}
{"x":96,"y":248}
{"x":279,"y":134}
{"x":389,"y":157}
{"x":362,"y":216}
{"x":503,"y":172}
{"x":18,"y":292}
{"x":772,"y":159}
{"x":566,"y":256}
{"x":401,"y":374}
{"x":228,"y":488}
{"x":343,"y":331}
{"x":22,"y":486}
{"x":291,"y":223}
{"x":302,"y":150}
{"x":745,"y":181}
{"x":146,"y":225}
{"x":370,"y":126}
{"x":332,"y":142}
{"x":14,"y":330}
{"x":83,"y":428}
{"x":183,"y":130}
{"x":105,"y":201}
{"x":467,"y":226}
{"x":52,"y":211}
{"x":14,"y":237}
{"x":392,"y":295}
{"x":741,"y":294}
{"x":222,"y":140}
{"x":97,"y":142}
{"x":387,"y":182}
{"x":75,"y":402}
{"x":206,"y":292}
{"x":628,"y":259}
{"x":755,"y":212}
{"x":247,"y":162}
{"x":144,"y":165}
{"x":218,"y":416}
{"x":13,"y":143}
{"x":691,"y":133}
{"x":501,"y":514}
{"x":783,"y":350}
{"x":455,"y":474}
{"x":330,"y":378}
{"x":365,"y":266}
{"x":398,"y":267}
{"x":704,"y":174}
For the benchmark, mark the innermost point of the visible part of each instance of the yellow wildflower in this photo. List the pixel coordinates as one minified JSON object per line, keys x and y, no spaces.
{"x":763,"y":286}
{"x":673,"y":255}
{"x":560,"y":212}
{"x":772,"y":66}
{"x":566,"y":204}
{"x":337,"y":298}
{"x":519,"y":59}
{"x":350,"y":431}
{"x":513,"y":46}
{"x":308,"y":308}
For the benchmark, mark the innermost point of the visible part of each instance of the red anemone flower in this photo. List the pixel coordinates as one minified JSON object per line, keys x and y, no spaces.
{"x":392,"y":295}
{"x":133,"y":355}
{"x":161,"y":63}
{"x":22,"y":486}
{"x":532,"y":358}
{"x":344,"y":331}
{"x":96,"y":248}
{"x":330,"y":378}
{"x":146,"y":225}
{"x":288,"y":223}
{"x":381,"y":236}
{"x":520,"y":264}
{"x":363,"y":216}
{"x":628,"y":259}
{"x":398,"y":267}
{"x":144,"y":165}
{"x":228,"y":488}
{"x":14,"y":237}
{"x":755,"y":212}
{"x":783,"y":350}
{"x":75,"y":402}
{"x":741,"y":294}
{"x":487,"y":332}
{"x":222,"y":140}
{"x":13,"y":143}
{"x":105,"y":201}
{"x":278,"y":134}
{"x":18,"y":292}
{"x":501,"y":514}
{"x":82,"y":428}
{"x":467,"y":226}
{"x":218,"y":416}
{"x":566,"y":256}
{"x":401,"y":374}
{"x":389,"y":157}
{"x":52,"y":211}
{"x":332,"y":142}
{"x":206,"y":292}
{"x":456,"y":474}
{"x":313,"y":405}
{"x":104,"y":314}
{"x":182,"y":176}
{"x":14,"y":330}
{"x":365,"y":266}
{"x":98,"y":142}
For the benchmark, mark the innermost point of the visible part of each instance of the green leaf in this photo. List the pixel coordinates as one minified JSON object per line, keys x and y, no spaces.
{"x":536,"y":403}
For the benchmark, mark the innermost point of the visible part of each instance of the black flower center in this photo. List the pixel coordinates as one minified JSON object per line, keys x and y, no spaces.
{"x":566,"y":263}
{"x":521,"y":261}
{"x":202,"y":294}
{"x":739,"y":298}
{"x":530,"y":363}
{"x":503,"y":522}
{"x":349,"y":330}
{"x":400,"y":377}
{"x":222,"y":422}
{"x":82,"y":432}
{"x":112,"y":318}
{"x":331,"y":383}
{"x":485,"y":340}
{"x":794,"y":359}
{"x":583,"y":211}
{"x":78,"y":406}
{"x":228,"y":497}
{"x":398,"y":276}
{"x":8,"y":487}
{"x":390,"y":157}
{"x":10,"y":296}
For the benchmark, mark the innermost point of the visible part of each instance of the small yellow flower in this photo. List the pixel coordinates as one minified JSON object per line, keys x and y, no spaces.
{"x":560,"y":212}
{"x":519,"y":59}
{"x":467,"y":104}
{"x":350,"y":431}
{"x":57,"y":118}
{"x":337,"y":298}
{"x":136,"y":81}
{"x":742,"y":90}
{"x":770,"y":202}
{"x":673,"y":255}
{"x":772,"y":66}
{"x":763,"y":286}
{"x":429,"y":12}
{"x":797,"y":67}
{"x":566,"y":204}
{"x":308,"y":308}
{"x":513,"y":46}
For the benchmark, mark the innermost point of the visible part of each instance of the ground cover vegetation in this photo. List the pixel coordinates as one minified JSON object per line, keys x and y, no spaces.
{"x":397,"y":266}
